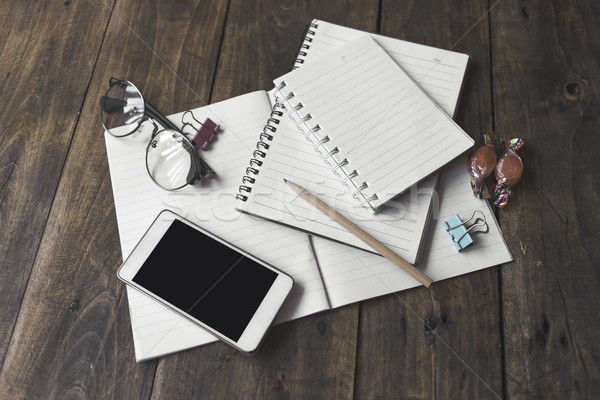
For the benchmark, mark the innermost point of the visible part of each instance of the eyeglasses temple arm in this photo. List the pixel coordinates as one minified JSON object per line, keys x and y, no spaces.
{"x":155,"y":114}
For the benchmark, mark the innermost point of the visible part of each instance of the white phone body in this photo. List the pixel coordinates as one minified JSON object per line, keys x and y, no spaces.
{"x":217,"y":286}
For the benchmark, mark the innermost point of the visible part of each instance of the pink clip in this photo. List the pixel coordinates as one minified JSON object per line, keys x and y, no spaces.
{"x":206,"y":133}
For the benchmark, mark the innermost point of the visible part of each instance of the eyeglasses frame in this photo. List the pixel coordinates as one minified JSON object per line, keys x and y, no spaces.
{"x":203,"y":170}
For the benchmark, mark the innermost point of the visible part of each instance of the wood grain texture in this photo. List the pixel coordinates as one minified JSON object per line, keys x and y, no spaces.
{"x":73,"y":338}
{"x":443,"y":342}
{"x":313,"y":357}
{"x":524,"y":330}
{"x":546,"y":66}
{"x":263,"y":37}
{"x":40,"y":108}
{"x":308,"y":358}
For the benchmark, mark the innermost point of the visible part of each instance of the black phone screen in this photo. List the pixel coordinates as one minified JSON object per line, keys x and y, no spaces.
{"x":206,"y":279}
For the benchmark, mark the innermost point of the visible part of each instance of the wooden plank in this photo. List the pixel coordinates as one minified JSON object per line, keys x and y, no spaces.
{"x":443,"y":341}
{"x":313,"y":357}
{"x":264,"y":47}
{"x":309,"y":358}
{"x":546,"y":64}
{"x":73,"y":337}
{"x":40,"y":107}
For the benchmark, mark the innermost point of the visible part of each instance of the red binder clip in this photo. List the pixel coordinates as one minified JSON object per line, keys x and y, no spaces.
{"x":205,"y":133}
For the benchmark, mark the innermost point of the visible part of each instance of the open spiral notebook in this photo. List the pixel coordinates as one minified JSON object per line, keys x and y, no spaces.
{"x":430,"y":138}
{"x":349,"y":274}
{"x":374,"y":126}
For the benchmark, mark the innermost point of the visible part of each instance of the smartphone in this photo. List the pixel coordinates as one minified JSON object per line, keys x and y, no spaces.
{"x":207,"y":280}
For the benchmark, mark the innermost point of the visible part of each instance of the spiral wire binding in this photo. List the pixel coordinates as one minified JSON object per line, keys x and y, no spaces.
{"x":336,"y":166}
{"x":305,"y":45}
{"x":260,"y":153}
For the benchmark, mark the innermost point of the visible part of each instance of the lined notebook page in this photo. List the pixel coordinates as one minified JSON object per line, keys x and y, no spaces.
{"x":387,"y":128}
{"x":399,"y":225}
{"x":353,"y":275}
{"x":437,"y":71}
{"x":156,"y":329}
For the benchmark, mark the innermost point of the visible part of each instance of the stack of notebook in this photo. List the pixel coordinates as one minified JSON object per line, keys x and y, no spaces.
{"x":373,"y":134}
{"x":363,"y":122}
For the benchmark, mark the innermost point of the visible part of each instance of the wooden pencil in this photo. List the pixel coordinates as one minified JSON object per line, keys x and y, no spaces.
{"x":362,"y":235}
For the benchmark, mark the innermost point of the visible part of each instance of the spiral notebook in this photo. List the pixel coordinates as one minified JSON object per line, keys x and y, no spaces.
{"x":283,"y":152}
{"x":374,"y":126}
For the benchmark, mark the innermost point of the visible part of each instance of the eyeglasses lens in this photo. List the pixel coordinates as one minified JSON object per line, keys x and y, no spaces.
{"x":122,"y":109}
{"x":170,"y":161}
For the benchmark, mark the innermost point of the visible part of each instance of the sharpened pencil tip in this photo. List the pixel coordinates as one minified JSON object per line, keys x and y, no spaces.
{"x":285,"y":180}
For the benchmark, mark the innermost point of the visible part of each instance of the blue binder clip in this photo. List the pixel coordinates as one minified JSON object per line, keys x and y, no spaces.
{"x":458,"y":231}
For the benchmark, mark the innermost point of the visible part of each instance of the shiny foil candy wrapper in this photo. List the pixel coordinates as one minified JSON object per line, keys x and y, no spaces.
{"x":481,"y":165}
{"x":507,"y":169}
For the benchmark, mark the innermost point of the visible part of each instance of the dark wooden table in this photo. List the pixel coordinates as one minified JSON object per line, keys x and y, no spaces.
{"x":527,"y":329}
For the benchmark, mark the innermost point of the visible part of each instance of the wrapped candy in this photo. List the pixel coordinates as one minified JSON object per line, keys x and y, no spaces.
{"x":481,"y":165}
{"x":508,"y":172}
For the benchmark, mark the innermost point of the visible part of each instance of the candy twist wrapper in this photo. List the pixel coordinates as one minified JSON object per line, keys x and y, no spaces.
{"x":481,"y":165}
{"x":508,"y":172}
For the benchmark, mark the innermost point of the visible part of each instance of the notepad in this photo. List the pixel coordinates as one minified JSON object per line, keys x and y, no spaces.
{"x":377,"y":130}
{"x":438,"y":71}
{"x":282,"y":151}
{"x":264,"y":194}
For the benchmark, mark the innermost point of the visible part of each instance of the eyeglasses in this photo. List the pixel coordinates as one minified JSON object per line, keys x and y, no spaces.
{"x":172,"y":161}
